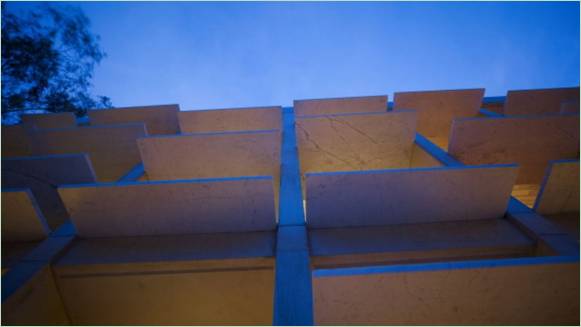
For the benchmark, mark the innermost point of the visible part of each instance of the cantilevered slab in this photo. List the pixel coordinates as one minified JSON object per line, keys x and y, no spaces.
{"x":527,"y":291}
{"x":340,"y":105}
{"x":540,"y":101}
{"x":194,"y":292}
{"x":410,"y":243}
{"x":51,"y":120}
{"x":529,"y":141}
{"x":43,"y":174}
{"x":560,"y":189}
{"x":211,"y":155}
{"x":112,"y":148}
{"x":161,"y":119}
{"x":15,"y":141}
{"x":228,"y":120}
{"x":437,"y":109}
{"x":421,"y":195}
{"x":355,"y":141}
{"x":171,"y":208}
{"x":22,"y":220}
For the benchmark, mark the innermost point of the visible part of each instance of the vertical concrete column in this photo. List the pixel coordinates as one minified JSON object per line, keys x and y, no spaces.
{"x":293,"y":293}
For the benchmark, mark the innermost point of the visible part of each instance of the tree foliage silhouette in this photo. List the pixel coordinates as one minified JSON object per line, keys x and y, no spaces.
{"x":48,"y":57}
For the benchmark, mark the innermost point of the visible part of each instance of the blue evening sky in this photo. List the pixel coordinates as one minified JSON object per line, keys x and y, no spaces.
{"x":218,"y":55}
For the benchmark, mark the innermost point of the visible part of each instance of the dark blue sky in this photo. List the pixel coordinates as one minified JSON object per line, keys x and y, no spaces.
{"x":216,"y":55}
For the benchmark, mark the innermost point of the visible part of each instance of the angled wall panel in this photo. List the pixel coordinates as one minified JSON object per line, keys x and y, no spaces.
{"x":421,"y":195}
{"x":170,"y":208}
{"x":437,"y":109}
{"x":211,"y":155}
{"x":340,"y":105}
{"x":541,"y":101}
{"x":43,"y":174}
{"x":112,"y":148}
{"x":51,"y":120}
{"x":22,"y":220}
{"x":355,"y":141}
{"x":560,"y":189}
{"x":230,"y":120}
{"x":529,"y":141}
{"x":159,"y":120}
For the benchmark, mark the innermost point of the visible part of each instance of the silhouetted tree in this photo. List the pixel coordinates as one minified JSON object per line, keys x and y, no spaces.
{"x":48,"y":57}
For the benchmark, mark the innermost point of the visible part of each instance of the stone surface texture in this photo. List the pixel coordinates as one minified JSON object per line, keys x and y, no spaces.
{"x":168,"y":208}
{"x":52,"y":120}
{"x":407,"y":196}
{"x":529,"y":141}
{"x":230,"y":120}
{"x":355,"y":141}
{"x":437,"y":109}
{"x":540,"y":101}
{"x":560,"y":189}
{"x":340,"y":105}
{"x":22,"y":220}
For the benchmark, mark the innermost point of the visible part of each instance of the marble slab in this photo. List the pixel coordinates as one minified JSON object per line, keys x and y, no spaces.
{"x":408,"y":196}
{"x":171,"y":208}
{"x":355,"y":141}
{"x":529,"y":141}
{"x":493,"y":292}
{"x":210,"y":155}
{"x":539,"y":101}
{"x":560,"y":189}
{"x":50,"y":120}
{"x":22,"y":220}
{"x":437,"y":109}
{"x":340,"y":105}
{"x":43,"y":174}
{"x":206,"y":292}
{"x":112,"y":148}
{"x":159,"y":120}
{"x":15,"y":141}
{"x":229,"y":120}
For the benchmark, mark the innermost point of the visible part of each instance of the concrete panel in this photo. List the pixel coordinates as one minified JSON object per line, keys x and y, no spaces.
{"x":38,"y":302}
{"x":560,"y":189}
{"x":171,"y":208}
{"x":15,"y":141}
{"x":355,"y":141}
{"x":340,"y":105}
{"x":437,"y":109}
{"x":159,"y":120}
{"x":22,"y":220}
{"x":408,"y":196}
{"x":540,"y":101}
{"x":42,"y":175}
{"x":230,"y":120}
{"x":112,"y":148}
{"x":211,"y":155}
{"x":417,"y":242}
{"x":223,"y":292}
{"x":51,"y":120}
{"x":529,"y":141}
{"x":470,"y":293}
